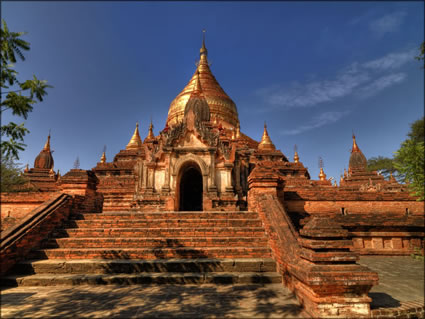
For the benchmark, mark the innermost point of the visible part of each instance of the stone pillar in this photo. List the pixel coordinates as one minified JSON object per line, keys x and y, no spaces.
{"x":212,"y":186}
{"x":229,"y":187}
{"x":166,"y":186}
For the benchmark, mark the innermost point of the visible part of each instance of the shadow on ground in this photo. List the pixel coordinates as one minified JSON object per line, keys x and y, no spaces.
{"x":383,"y":300}
{"x":159,"y":301}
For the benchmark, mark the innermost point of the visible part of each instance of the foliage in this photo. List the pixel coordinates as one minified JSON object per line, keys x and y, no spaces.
{"x":416,"y":133}
{"x":421,"y":55}
{"x":383,"y":165}
{"x":12,"y":179}
{"x":77,"y":163}
{"x":17,"y":96}
{"x":409,"y":160}
{"x":418,"y":254}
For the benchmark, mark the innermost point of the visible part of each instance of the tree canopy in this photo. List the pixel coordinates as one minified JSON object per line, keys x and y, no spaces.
{"x":17,"y":96}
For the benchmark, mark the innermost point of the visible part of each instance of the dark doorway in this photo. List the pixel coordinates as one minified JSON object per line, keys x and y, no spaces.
{"x":191,"y":190}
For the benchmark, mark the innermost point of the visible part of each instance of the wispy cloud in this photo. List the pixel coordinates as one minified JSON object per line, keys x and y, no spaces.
{"x":359,"y":79}
{"x":317,"y":92}
{"x":388,"y":23}
{"x":319,"y":121}
{"x":382,"y":83}
{"x":391,"y":60}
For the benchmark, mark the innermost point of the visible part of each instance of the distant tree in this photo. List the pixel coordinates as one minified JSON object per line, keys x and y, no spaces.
{"x":16,"y":95}
{"x":11,"y":176}
{"x":384,"y":165}
{"x":409,"y":159}
{"x":77,"y":163}
{"x":417,"y":133}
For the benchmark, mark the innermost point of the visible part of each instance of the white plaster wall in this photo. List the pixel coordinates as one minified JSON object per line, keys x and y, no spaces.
{"x":159,"y":179}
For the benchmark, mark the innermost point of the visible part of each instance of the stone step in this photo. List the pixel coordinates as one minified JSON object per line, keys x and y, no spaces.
{"x":158,"y":242}
{"x":163,"y":232}
{"x":142,"y":278}
{"x":161,"y":223}
{"x":151,"y":253}
{"x":101,"y":266}
{"x":167,"y":215}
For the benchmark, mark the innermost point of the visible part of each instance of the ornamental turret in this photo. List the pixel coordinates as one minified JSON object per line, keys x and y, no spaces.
{"x":266,"y":143}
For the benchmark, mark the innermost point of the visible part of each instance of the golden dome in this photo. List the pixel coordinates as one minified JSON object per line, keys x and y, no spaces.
{"x":221,"y":105}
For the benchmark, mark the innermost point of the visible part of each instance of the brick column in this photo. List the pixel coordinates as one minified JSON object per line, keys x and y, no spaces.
{"x":82,"y":184}
{"x":315,"y":261}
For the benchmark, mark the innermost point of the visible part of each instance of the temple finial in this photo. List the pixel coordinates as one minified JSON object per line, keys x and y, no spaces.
{"x":135,"y":141}
{"x":322,"y":175}
{"x":47,"y":145}
{"x":203,"y":50}
{"x":355,"y":147}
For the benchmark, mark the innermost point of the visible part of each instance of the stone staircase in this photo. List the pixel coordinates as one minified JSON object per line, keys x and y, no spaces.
{"x":151,"y":248}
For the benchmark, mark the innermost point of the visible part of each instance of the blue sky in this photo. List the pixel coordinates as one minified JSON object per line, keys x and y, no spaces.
{"x":314,"y":71}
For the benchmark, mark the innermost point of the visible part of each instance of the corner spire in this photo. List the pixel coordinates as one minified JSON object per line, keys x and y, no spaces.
{"x":266,"y":142}
{"x":296,"y":157}
{"x":150,"y":136}
{"x":322,"y":175}
{"x":103,"y":158}
{"x":135,"y":141}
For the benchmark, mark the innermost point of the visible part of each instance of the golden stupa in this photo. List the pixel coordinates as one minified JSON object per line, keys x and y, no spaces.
{"x":222,"y":108}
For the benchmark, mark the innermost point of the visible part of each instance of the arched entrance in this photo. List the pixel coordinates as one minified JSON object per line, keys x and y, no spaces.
{"x":190,"y":188}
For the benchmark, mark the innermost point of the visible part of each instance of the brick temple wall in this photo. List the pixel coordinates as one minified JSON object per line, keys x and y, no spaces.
{"x":16,"y":206}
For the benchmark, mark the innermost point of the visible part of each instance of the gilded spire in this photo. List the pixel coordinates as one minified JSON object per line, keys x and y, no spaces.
{"x":150,"y":136}
{"x":203,"y":50}
{"x":341,"y":179}
{"x":26,"y":170}
{"x":135,"y":141}
{"x":47,"y":145}
{"x":266,"y":142}
{"x":103,"y":158}
{"x":296,"y":157}
{"x":355,"y":147}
